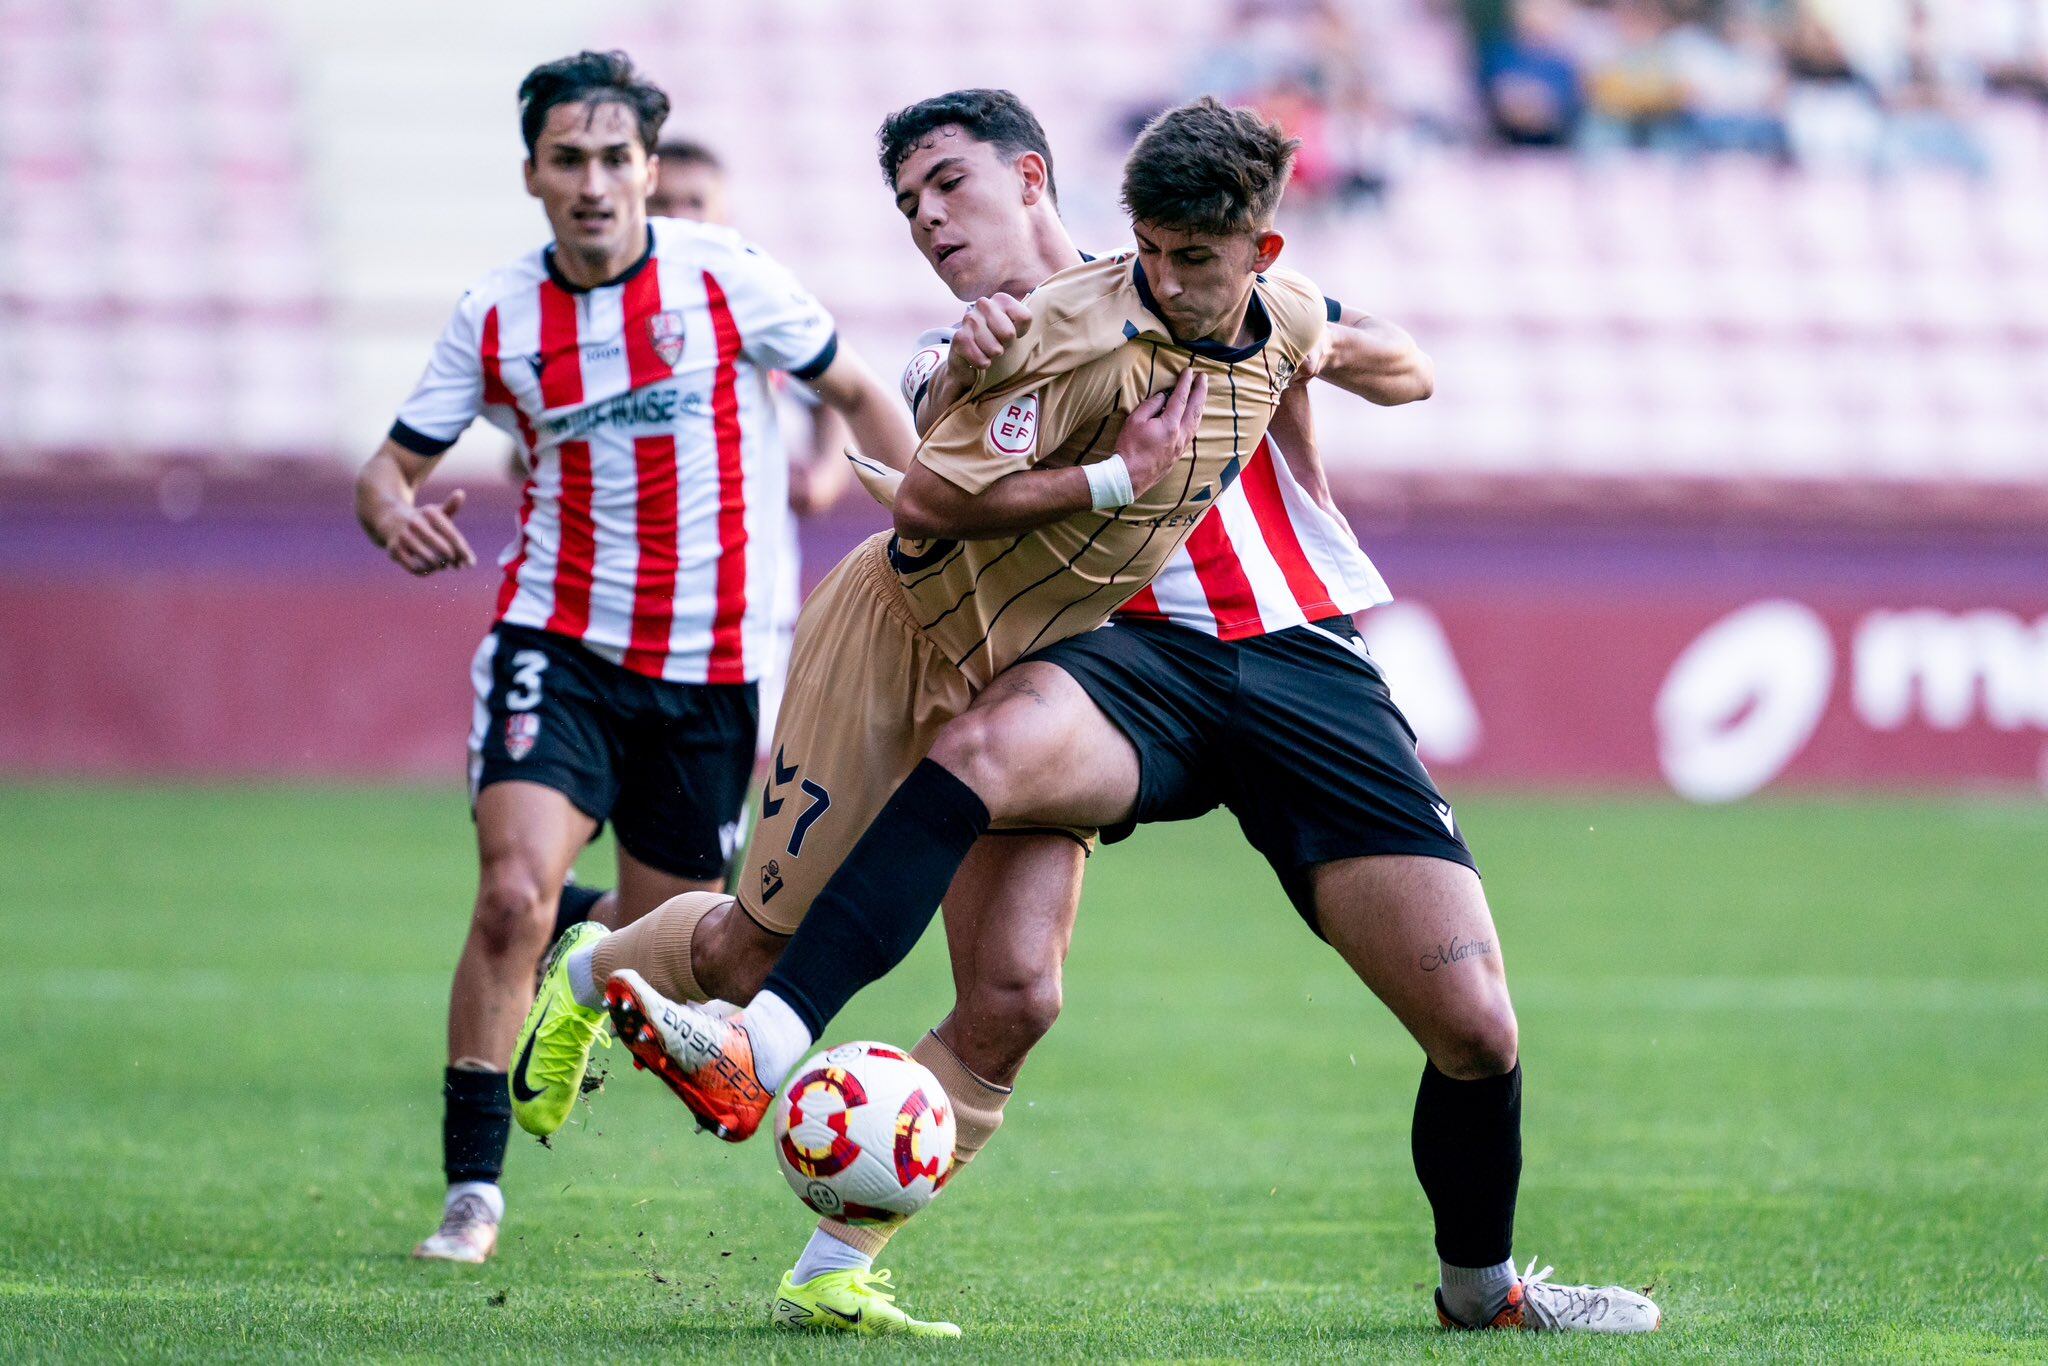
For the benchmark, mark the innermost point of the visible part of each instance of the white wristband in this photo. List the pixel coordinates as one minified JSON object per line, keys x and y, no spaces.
{"x":1109,"y":483}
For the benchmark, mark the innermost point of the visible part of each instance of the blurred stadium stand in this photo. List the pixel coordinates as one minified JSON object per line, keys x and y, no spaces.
{"x":1734,"y":475}
{"x":161,"y":290}
{"x":228,"y":231}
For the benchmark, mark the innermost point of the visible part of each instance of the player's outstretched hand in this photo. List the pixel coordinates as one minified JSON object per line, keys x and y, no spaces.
{"x":427,"y":541}
{"x":991,"y":327}
{"x":1161,"y":428}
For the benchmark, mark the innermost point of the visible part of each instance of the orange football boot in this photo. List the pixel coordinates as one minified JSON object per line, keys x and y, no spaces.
{"x":706,"y":1058}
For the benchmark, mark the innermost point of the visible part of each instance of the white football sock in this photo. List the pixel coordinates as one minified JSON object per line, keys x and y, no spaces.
{"x":1474,"y":1294}
{"x":825,"y":1253}
{"x":780,"y":1038}
{"x":492,"y":1196}
{"x":582,"y":985}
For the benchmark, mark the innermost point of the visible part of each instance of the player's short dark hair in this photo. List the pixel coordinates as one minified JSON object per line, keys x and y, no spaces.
{"x":1208,"y":168}
{"x":685,"y":152}
{"x":995,"y":117}
{"x":590,"y":78}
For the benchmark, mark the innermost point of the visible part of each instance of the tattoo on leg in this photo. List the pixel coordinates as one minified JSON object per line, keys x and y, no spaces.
{"x":1023,"y":687}
{"x":1457,"y":951}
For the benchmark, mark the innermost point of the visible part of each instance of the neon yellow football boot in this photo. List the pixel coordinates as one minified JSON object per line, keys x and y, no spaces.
{"x":850,"y":1302}
{"x":553,"y":1050}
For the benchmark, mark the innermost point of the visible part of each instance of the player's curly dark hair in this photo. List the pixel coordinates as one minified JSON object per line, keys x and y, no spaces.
{"x":1208,"y":168}
{"x":996,"y":117}
{"x":590,"y":78}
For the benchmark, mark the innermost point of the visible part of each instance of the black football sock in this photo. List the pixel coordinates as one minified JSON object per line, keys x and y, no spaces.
{"x":1467,"y":1142}
{"x":575,"y":907}
{"x":475,"y":1123}
{"x":873,"y":910}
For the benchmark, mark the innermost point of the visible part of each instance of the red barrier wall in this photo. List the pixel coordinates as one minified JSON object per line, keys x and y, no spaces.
{"x":238,"y":676}
{"x":252,"y":631}
{"x":1712,"y":693}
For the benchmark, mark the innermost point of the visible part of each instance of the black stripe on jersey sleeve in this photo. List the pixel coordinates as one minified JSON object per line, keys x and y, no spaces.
{"x":1333,"y":310}
{"x":418,"y":442}
{"x":820,"y":363}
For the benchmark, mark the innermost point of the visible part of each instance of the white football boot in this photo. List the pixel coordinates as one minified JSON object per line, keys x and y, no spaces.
{"x":1535,"y":1305}
{"x":468,"y":1232}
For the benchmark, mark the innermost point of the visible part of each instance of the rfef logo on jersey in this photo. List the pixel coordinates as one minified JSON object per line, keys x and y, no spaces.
{"x":522,"y":732}
{"x":1014,"y":428}
{"x":665,"y":330}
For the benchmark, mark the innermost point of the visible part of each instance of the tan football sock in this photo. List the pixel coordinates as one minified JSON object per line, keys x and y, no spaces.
{"x":657,"y":946}
{"x":977,"y":1114}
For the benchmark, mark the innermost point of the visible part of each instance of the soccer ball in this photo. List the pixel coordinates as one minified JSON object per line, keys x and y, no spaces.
{"x":865,"y":1134}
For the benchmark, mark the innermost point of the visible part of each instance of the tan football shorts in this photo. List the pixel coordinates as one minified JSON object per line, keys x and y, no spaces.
{"x":867,"y":694}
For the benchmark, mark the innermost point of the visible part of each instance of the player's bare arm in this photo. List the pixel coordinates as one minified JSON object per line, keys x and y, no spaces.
{"x":1363,"y":355}
{"x":875,"y":418}
{"x":423,"y":539}
{"x":1155,"y":434}
{"x":1293,"y":430}
{"x":821,"y":477}
{"x":1374,"y":359}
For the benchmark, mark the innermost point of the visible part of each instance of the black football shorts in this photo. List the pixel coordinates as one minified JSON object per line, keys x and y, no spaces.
{"x":1294,"y":731}
{"x":667,"y":763}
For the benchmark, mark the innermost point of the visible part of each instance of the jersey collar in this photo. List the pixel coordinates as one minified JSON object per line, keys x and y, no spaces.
{"x":561,"y":281}
{"x":1255,"y":315}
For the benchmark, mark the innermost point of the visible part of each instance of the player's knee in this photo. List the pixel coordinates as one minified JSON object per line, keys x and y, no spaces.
{"x":1022,"y":1007}
{"x":988,"y":751}
{"x":1482,"y":1041}
{"x":1038,"y":1007}
{"x":514,"y":907}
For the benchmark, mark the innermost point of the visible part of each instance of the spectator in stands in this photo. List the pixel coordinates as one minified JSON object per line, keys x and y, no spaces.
{"x":1733,"y":78}
{"x":1858,"y":84}
{"x":1635,"y":96}
{"x":1300,"y":63}
{"x":2011,"y":45}
{"x":1833,"y":117}
{"x":1931,"y":107}
{"x":1529,"y":77}
{"x":1884,"y":83}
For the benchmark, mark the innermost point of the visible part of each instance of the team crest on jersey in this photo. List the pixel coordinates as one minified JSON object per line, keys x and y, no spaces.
{"x":665,"y":330}
{"x":922,"y":367}
{"x":1014,"y":428}
{"x":522,"y":732}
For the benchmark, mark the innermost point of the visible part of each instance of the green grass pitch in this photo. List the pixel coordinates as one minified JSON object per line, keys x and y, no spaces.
{"x":1785,"y":1062}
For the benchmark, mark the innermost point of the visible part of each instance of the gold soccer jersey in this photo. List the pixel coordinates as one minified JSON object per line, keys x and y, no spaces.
{"x":902,"y":634}
{"x":1095,"y":350}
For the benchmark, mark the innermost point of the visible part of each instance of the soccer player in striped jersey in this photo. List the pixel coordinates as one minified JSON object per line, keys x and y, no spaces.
{"x":1285,"y":720}
{"x":630,"y":359}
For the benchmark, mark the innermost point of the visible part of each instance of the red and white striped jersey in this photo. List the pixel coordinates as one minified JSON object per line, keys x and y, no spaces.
{"x":657,"y":481}
{"x":1267,"y":557}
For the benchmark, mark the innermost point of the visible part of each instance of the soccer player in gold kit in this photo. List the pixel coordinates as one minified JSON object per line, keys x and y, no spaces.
{"x":1190,"y":272}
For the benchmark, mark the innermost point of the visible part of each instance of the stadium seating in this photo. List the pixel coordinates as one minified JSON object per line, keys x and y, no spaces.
{"x":158,"y":257}
{"x":1612,"y":318}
